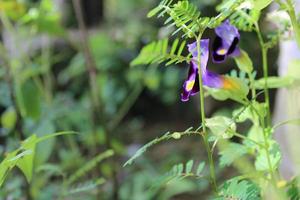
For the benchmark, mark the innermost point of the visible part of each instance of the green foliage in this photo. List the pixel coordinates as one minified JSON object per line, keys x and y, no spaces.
{"x":262,"y":161}
{"x":23,"y":157}
{"x":184,"y":15}
{"x":244,"y":62}
{"x":85,"y":187}
{"x":236,"y":189}
{"x":231,"y":153}
{"x":82,"y":171}
{"x":222,"y":127}
{"x":293,"y":192}
{"x":29,"y":100}
{"x":157,"y":52}
{"x":166,"y":136}
{"x":9,"y":118}
{"x":181,"y":171}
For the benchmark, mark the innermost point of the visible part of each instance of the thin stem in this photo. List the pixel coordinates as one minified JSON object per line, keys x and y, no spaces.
{"x":265,"y":126}
{"x":265,"y":72}
{"x":203,"y":119}
{"x":253,"y":91}
{"x":295,"y":23}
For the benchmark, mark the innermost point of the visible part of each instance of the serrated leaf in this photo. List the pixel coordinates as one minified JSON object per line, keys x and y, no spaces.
{"x":261,"y":161}
{"x":231,"y":153}
{"x":236,"y":189}
{"x":221,"y":126}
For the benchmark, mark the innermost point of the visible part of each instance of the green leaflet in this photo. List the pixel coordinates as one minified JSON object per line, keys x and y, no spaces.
{"x":244,"y":62}
{"x":183,"y":15}
{"x":158,"y":52}
{"x":222,"y":127}
{"x":179,"y":172}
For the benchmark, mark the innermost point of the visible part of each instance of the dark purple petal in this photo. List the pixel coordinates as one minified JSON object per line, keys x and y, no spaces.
{"x":225,"y":42}
{"x":190,"y":86}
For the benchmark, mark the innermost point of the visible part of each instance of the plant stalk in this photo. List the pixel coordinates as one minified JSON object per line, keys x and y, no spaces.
{"x":266,"y":126}
{"x":203,"y":119}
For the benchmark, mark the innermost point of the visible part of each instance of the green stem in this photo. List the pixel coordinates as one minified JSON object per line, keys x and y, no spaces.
{"x":294,"y":21}
{"x":266,"y":124}
{"x":203,"y":119}
{"x":265,"y":72}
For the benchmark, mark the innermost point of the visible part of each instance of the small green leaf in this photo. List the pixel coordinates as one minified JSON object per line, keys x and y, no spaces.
{"x":200,"y":168}
{"x":189,"y":166}
{"x":220,"y":126}
{"x":25,"y":163}
{"x":8,"y":118}
{"x":28,"y":98}
{"x":154,"y":11}
{"x":261,"y":4}
{"x":244,"y":62}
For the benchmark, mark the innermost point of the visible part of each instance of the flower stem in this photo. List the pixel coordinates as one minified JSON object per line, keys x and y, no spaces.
{"x":264,"y":52}
{"x":205,"y":135}
{"x":266,"y":124}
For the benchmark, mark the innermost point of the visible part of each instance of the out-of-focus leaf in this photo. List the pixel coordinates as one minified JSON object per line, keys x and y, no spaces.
{"x":29,"y":100}
{"x":244,"y":62}
{"x":262,"y":163}
{"x":8,"y":118}
{"x":232,"y":152}
{"x":221,"y":126}
{"x":25,"y":163}
{"x":13,"y":9}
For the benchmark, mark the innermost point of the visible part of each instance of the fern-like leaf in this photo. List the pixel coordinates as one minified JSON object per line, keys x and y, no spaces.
{"x":184,"y":15}
{"x":89,"y":166}
{"x":84,"y":187}
{"x":181,"y":171}
{"x":226,"y":8}
{"x":166,"y":136}
{"x":158,"y":52}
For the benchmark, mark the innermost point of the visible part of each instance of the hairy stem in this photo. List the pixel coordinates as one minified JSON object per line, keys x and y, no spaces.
{"x":203,"y":119}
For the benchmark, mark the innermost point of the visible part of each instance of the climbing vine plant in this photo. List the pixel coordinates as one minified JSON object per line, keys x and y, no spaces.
{"x":257,"y":150}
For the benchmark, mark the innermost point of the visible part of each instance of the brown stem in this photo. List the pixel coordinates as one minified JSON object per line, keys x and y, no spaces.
{"x":92,"y":73}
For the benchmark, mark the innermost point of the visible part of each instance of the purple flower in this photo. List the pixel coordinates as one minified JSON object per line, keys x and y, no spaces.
{"x":210,"y":79}
{"x":226,"y":42}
